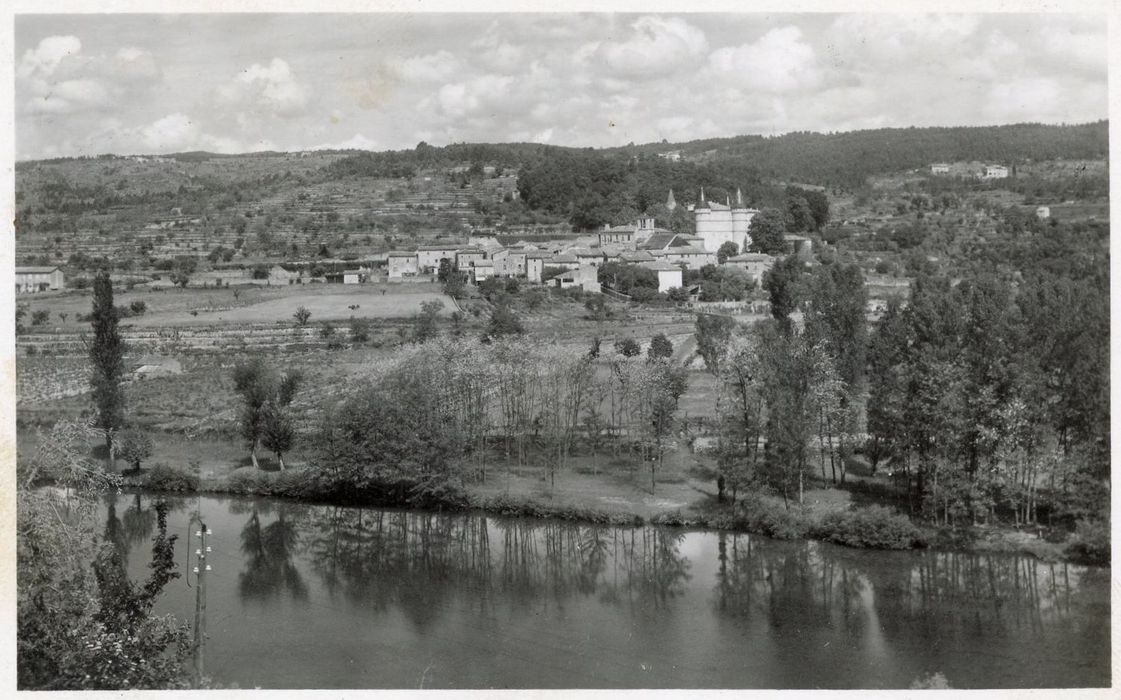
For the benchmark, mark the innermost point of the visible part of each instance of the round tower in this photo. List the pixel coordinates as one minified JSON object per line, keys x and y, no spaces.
{"x":741,"y":220}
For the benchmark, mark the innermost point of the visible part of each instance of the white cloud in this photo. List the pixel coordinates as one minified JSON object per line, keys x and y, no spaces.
{"x":658,"y":47}
{"x":482,"y":94}
{"x":135,"y":64}
{"x":434,"y":67}
{"x":272,"y":89}
{"x":45,"y":58}
{"x":780,"y":61}
{"x":173,"y":132}
{"x":57,"y":78}
{"x":1087,"y":50}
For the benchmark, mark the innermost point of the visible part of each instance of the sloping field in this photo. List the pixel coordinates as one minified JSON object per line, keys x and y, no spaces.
{"x":323,"y":307}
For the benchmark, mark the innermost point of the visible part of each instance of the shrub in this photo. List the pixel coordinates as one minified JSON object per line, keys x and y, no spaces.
{"x":1090,"y":542}
{"x":164,"y":477}
{"x":874,"y":527}
{"x":244,"y":480}
{"x":138,"y":307}
{"x":757,"y":514}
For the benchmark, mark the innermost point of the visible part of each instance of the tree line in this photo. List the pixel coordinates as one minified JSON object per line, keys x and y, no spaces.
{"x":987,"y":399}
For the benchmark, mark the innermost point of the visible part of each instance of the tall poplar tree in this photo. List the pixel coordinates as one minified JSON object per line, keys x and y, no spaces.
{"x":107,"y":356}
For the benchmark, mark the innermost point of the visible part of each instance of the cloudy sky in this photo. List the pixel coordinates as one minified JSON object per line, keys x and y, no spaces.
{"x":232,"y":83}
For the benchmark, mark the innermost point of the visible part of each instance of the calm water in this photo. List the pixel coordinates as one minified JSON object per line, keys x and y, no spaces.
{"x":328,"y":597}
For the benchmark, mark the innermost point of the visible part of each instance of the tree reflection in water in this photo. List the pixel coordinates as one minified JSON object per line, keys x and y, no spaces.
{"x":418,"y":560}
{"x":268,"y":554}
{"x":810,"y":583}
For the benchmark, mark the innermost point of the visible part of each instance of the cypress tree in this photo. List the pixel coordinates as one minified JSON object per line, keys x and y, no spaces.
{"x":107,"y":355}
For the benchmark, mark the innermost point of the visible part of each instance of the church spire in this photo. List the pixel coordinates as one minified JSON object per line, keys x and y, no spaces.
{"x":671,"y":203}
{"x":739,"y":198}
{"x":701,"y":203}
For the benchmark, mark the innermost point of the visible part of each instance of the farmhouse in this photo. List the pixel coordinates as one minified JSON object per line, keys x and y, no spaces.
{"x":429,"y":257}
{"x":692,"y":257}
{"x":482,"y":270}
{"x":354,"y":276}
{"x":754,"y":264}
{"x":468,"y":257}
{"x":38,"y":279}
{"x":940,"y":168}
{"x":1043,"y":212}
{"x":567,"y":260}
{"x":585,"y":276}
{"x":534,"y":266}
{"x":995,"y":172}
{"x":669,"y":276}
{"x":278,"y":275}
{"x":402,"y":264}
{"x":637,"y":256}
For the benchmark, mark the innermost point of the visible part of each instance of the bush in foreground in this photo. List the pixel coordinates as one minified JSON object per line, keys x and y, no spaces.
{"x":164,"y":477}
{"x":1090,"y":542}
{"x":873,"y":527}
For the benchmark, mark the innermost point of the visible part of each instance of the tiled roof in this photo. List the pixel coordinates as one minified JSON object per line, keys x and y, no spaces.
{"x":35,"y":270}
{"x":660,"y":266}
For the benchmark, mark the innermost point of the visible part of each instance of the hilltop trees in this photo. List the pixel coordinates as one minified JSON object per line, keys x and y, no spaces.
{"x":106,"y":352}
{"x":266,"y":396}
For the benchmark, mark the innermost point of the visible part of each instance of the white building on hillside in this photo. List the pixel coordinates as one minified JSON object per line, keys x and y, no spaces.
{"x":38,"y":279}
{"x":717,"y":224}
{"x":669,"y":276}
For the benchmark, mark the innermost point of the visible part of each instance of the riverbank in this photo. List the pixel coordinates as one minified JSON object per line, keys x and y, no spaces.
{"x":827,"y":514}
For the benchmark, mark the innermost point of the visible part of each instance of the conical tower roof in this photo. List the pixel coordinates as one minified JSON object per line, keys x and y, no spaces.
{"x":671,"y":203}
{"x":739,"y":198}
{"x":701,"y":202}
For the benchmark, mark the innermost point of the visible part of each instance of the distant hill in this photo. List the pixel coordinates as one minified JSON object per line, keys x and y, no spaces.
{"x":432,"y":190}
{"x":847,"y":159}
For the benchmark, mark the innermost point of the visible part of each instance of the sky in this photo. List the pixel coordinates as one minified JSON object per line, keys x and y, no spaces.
{"x":231,"y":83}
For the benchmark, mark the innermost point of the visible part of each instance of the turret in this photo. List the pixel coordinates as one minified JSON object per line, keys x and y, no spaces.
{"x":671,"y":203}
{"x":701,"y":202}
{"x":741,"y":221}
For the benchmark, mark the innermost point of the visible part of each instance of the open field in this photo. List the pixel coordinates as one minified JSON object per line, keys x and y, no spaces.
{"x":325,"y":304}
{"x":201,"y":307}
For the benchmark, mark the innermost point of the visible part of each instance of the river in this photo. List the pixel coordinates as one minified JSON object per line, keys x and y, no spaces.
{"x":311,"y":596}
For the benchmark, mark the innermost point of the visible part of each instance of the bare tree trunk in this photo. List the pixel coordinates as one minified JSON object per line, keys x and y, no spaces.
{"x":280,"y":461}
{"x":253,"y":455}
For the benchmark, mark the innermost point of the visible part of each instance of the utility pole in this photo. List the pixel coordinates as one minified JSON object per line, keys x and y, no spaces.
{"x":200,"y":599}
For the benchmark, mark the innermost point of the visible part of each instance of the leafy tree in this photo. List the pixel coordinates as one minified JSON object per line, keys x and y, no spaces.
{"x":713,"y":331}
{"x":426,"y":322}
{"x":106,"y":352}
{"x":277,"y":431}
{"x":81,"y":623}
{"x":660,"y":348}
{"x":138,"y":307}
{"x":359,"y":329}
{"x":302,"y":315}
{"x":265,"y":398}
{"x":799,"y":217}
{"x":503,"y":322}
{"x":728,"y":249}
{"x":627,"y":347}
{"x":134,"y":446}
{"x":766,"y":231}
{"x":782,"y":281}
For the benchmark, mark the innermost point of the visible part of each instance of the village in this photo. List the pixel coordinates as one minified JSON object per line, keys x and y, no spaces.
{"x":601,"y":350}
